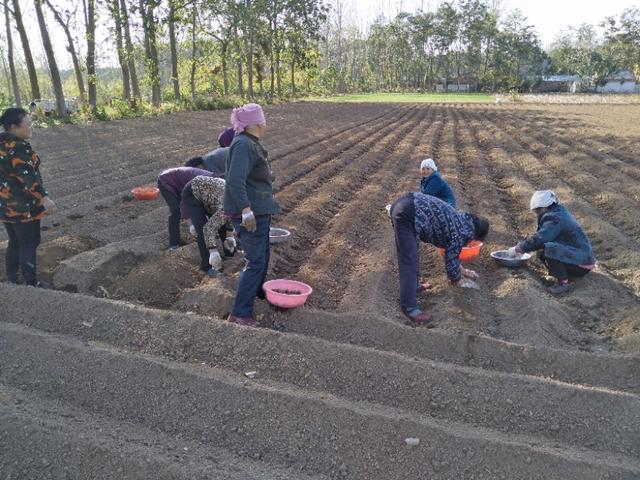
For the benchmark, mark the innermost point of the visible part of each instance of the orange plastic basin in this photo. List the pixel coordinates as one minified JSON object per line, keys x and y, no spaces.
{"x":146,"y":193}
{"x":469,"y":252}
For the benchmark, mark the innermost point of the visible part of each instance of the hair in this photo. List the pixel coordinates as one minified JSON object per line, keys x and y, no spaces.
{"x":12,"y":116}
{"x":480,"y":226}
{"x":194,"y":162}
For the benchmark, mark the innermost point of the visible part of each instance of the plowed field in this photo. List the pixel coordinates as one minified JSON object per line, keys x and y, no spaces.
{"x":126,"y":369}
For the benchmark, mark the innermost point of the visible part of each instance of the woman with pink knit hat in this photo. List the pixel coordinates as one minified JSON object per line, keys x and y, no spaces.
{"x":249,"y":203}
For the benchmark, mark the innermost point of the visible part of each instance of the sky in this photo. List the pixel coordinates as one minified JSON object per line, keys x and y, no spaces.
{"x":548,"y":16}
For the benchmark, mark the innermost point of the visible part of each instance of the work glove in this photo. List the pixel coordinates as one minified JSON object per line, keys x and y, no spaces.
{"x":215,"y":260}
{"x":192,"y":230}
{"x":249,"y":221}
{"x":49,"y":205}
{"x":230,"y":244}
{"x":512,"y":252}
{"x":388,"y":209}
{"x":467,"y":283}
{"x":470,"y":274}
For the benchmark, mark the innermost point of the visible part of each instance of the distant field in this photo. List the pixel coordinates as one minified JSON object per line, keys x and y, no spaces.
{"x":409,"y":98}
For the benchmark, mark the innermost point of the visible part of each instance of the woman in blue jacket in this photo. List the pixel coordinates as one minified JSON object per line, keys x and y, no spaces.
{"x":433,"y":184}
{"x":562,"y":244}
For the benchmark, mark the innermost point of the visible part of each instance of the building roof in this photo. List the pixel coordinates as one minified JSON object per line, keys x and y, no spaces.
{"x":621,"y":75}
{"x":561,"y":78}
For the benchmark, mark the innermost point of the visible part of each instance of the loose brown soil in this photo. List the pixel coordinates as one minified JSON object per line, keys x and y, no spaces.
{"x":337,"y":166}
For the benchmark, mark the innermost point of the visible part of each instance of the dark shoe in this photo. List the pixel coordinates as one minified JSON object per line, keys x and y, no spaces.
{"x":246,"y":321}
{"x":40,"y":285}
{"x":560,"y":288}
{"x":420,"y":318}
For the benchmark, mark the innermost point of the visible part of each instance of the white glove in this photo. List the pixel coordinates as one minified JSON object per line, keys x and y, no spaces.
{"x":230,"y":244}
{"x":388,"y":209}
{"x":215,"y":260}
{"x":192,"y":230}
{"x":49,"y":205}
{"x":468,"y":283}
{"x":511,"y":253}
{"x":249,"y":221}
{"x":470,"y":274}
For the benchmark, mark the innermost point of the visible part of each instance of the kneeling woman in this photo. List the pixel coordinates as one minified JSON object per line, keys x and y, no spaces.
{"x":562,"y":244}
{"x":203,"y":198}
{"x":417,"y":216}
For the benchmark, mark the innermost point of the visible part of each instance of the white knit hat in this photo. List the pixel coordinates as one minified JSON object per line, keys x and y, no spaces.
{"x":429,"y":163}
{"x":542,"y":198}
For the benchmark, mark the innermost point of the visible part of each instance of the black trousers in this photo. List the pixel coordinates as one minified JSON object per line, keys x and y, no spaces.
{"x":24,"y":239}
{"x":173,"y":202}
{"x":199,"y":218}
{"x":403,"y":216}
{"x":561,"y":270}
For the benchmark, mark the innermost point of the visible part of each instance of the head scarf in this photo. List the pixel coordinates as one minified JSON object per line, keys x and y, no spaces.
{"x":226,"y":137}
{"x":429,"y":163}
{"x":542,"y":198}
{"x":249,"y":114}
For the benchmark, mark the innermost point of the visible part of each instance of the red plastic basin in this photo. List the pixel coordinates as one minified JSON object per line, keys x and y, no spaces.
{"x":469,"y":252}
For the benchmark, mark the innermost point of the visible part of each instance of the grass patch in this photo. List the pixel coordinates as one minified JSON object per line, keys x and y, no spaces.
{"x":408,"y":98}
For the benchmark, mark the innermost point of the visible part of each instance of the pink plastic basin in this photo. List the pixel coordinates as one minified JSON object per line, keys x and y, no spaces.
{"x":285,"y":293}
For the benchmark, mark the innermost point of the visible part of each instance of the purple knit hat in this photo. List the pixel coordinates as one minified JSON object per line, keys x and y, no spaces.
{"x":226,"y":137}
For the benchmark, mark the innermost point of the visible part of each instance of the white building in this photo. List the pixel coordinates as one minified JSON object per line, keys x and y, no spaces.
{"x":623,"y":81}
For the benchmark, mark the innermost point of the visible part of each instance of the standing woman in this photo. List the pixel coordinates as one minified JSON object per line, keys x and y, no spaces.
{"x":249,"y":203}
{"x":23,"y":199}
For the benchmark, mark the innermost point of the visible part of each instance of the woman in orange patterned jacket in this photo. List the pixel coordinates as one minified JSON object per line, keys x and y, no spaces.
{"x":23,"y":199}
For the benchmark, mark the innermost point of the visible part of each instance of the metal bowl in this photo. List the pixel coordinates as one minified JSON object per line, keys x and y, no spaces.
{"x":503,"y":258}
{"x":278,"y":235}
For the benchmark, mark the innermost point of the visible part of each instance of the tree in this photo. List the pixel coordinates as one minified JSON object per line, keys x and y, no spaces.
{"x":114,"y":8}
{"x":135,"y":85}
{"x":147,"y":12}
{"x":90,"y":25}
{"x":12,"y":67}
{"x":28,"y":58}
{"x":171,"y":20}
{"x":51,"y":60}
{"x":65,"y":24}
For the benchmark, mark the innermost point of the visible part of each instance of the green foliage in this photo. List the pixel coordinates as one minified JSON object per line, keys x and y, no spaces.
{"x":408,"y":98}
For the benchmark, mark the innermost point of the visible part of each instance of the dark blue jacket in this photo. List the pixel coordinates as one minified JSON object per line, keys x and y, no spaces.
{"x":561,"y":237}
{"x":439,"y":224}
{"x":216,"y":160}
{"x":249,"y":178}
{"x":437,"y":186}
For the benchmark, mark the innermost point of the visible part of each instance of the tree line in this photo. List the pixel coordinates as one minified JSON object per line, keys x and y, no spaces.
{"x":182,"y":50}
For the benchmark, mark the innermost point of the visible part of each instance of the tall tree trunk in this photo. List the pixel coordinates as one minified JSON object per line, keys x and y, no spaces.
{"x":28,"y":58}
{"x":272,"y":68}
{"x":135,"y":85}
{"x":149,"y":24}
{"x":278,"y":72}
{"x":12,"y":66}
{"x":194,"y":45}
{"x":239,"y":61}
{"x":122,"y":55}
{"x":225,"y":67}
{"x":72,"y":50}
{"x":248,"y":41}
{"x":293,"y":78}
{"x":51,"y":60}
{"x":174,"y":49}
{"x":90,"y":21}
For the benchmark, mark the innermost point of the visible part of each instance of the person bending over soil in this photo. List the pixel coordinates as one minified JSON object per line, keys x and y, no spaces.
{"x":249,"y":202}
{"x":214,"y":161}
{"x":23,"y":199}
{"x":171,"y":182}
{"x":432,"y":183}
{"x":562,"y":245}
{"x":203,"y":198}
{"x":417,"y":216}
